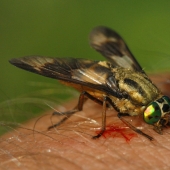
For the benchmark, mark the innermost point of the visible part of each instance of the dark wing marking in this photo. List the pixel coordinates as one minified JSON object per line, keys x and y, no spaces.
{"x":92,"y":74}
{"x":112,"y":46}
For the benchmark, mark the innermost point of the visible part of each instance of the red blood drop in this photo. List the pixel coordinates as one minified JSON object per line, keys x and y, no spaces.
{"x":118,"y":131}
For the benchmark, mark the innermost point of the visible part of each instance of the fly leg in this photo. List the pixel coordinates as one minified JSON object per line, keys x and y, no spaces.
{"x":103,"y":128}
{"x":120,"y":116}
{"x":82,"y":98}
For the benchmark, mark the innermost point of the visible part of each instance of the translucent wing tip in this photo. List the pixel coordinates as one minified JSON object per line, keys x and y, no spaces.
{"x":18,"y":62}
{"x":22,"y":60}
{"x":14,"y":61}
{"x":31,"y":63}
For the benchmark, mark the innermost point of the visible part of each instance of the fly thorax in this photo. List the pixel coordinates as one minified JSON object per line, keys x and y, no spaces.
{"x":139,"y":88}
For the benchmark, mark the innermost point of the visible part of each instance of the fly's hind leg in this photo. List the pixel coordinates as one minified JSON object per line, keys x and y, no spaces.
{"x":82,"y":98}
{"x":68,"y":114}
{"x":120,"y":116}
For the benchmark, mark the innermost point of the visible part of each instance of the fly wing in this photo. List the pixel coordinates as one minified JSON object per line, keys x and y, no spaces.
{"x":112,"y":46}
{"x":91,"y":74}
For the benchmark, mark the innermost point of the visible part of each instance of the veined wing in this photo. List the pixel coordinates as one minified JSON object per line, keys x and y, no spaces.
{"x":112,"y":46}
{"x":92,"y":74}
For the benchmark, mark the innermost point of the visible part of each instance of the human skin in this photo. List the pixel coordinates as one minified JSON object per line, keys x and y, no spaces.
{"x":70,"y":146}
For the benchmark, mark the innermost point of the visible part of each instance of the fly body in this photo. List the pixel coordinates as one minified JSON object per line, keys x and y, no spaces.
{"x":119,"y":83}
{"x":139,"y":89}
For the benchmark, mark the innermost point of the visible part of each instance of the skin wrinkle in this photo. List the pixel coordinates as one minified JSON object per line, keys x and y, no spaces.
{"x":116,"y":162}
{"x":90,"y":156}
{"x":143,"y":158}
{"x":100,"y":156}
{"x":128,"y":159}
{"x":160,"y":158}
{"x":165,"y":159}
{"x":159,"y":151}
{"x":157,"y":158}
{"x":147,"y":163}
{"x":71,"y":145}
{"x":66,"y":161}
{"x":96,"y":154}
{"x":71,"y":163}
{"x":85,"y":155}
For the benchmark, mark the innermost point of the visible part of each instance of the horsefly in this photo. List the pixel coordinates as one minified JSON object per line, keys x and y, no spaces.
{"x":118,"y":83}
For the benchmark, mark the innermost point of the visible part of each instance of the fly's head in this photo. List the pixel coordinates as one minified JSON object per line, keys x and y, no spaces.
{"x":157,"y":113}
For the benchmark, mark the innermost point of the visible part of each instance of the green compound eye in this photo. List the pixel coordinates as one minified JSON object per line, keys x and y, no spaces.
{"x":152,"y":114}
{"x":167,"y":99}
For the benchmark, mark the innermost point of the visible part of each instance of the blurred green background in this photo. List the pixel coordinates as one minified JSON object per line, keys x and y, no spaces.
{"x":60,"y":28}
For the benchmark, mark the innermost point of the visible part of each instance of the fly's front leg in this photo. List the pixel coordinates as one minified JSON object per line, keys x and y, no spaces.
{"x":120,"y":116}
{"x":82,"y":98}
{"x":103,"y":128}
